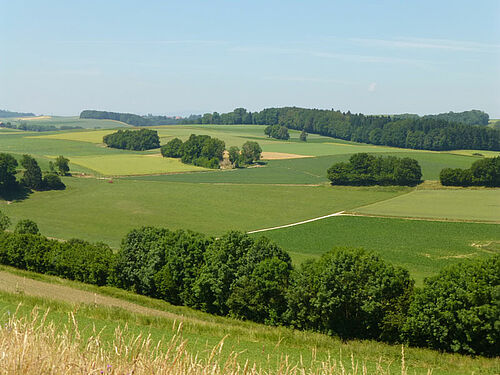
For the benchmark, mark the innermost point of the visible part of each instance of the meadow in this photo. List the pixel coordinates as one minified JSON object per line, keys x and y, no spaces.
{"x":420,"y":246}
{"x":116,"y":318}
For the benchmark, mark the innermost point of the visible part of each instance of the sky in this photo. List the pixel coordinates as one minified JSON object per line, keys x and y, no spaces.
{"x":183,"y":57}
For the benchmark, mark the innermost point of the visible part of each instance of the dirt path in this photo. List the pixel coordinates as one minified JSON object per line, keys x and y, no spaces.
{"x":17,"y":284}
{"x":297,"y":223}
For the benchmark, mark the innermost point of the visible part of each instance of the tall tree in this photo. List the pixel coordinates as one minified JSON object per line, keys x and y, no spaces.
{"x":32,"y":176}
{"x":62,"y":164}
{"x":8,"y":166}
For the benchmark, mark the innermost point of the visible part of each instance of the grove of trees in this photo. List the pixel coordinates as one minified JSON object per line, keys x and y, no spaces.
{"x":277,"y":132}
{"x":350,"y":293}
{"x":137,"y":140}
{"x":366,"y":169}
{"x":200,"y":150}
{"x":484,"y":172}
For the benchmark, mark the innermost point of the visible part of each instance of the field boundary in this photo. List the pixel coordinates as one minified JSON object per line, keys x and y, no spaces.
{"x":297,"y":223}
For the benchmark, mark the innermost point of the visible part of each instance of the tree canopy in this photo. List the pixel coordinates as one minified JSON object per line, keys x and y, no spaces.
{"x":137,"y":140}
{"x":201,"y":150}
{"x":484,"y":172}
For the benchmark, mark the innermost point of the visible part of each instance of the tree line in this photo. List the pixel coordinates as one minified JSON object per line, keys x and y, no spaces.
{"x":350,"y":293}
{"x":137,"y":140}
{"x":4,"y":113}
{"x":32,"y":177}
{"x":426,"y":133}
{"x":365,"y":169}
{"x":23,"y":125}
{"x":137,"y":120}
{"x":208,"y":152}
{"x":484,"y":172}
{"x":472,"y":117}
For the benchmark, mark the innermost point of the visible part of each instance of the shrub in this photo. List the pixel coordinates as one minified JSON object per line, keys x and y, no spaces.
{"x":52,"y":182}
{"x":458,"y":310}
{"x":26,"y":226}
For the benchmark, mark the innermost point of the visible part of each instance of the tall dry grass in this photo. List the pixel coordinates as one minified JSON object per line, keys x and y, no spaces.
{"x":33,"y":345}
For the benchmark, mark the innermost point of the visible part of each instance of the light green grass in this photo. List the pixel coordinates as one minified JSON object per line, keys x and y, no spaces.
{"x":59,"y":121}
{"x":423,"y":247}
{"x":267,"y":346}
{"x":99,"y":211}
{"x":461,"y":204}
{"x":130,"y":164}
{"x":94,"y":136}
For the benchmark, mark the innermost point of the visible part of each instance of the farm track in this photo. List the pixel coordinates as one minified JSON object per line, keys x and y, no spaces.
{"x":297,"y":223}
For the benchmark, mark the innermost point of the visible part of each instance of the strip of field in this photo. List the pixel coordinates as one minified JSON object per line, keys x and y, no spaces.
{"x":281,"y":156}
{"x":422,"y":247}
{"x":130,"y":164}
{"x":104,"y":309}
{"x":99,"y":211}
{"x":460,"y":204}
{"x":93,"y":136}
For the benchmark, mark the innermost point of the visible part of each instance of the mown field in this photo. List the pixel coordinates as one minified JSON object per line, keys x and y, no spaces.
{"x":274,"y":193}
{"x":105,"y":309}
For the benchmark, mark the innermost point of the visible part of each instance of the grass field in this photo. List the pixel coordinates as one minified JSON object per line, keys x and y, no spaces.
{"x":420,"y":246}
{"x":461,"y":204}
{"x":59,"y":121}
{"x":99,"y":211}
{"x":105,"y":309}
{"x":129,"y":164}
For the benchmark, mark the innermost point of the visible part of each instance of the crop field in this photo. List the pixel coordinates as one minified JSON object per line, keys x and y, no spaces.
{"x":129,"y":164}
{"x":461,"y":204}
{"x":418,"y":245}
{"x":105,"y":309}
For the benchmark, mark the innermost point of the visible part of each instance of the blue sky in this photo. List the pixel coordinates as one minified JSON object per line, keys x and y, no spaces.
{"x":181,"y":57}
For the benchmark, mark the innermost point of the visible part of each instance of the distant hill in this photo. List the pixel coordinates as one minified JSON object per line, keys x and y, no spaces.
{"x":5,"y":113}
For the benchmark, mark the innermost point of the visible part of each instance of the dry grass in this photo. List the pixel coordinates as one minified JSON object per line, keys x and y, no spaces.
{"x":34,"y":346}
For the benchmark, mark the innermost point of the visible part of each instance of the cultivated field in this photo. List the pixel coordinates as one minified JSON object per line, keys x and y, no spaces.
{"x":83,"y":314}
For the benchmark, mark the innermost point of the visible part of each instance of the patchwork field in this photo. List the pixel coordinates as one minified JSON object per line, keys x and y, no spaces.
{"x":274,"y":193}
{"x":67,"y":121}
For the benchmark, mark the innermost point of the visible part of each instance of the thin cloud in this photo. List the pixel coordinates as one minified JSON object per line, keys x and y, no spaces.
{"x":153,"y":42}
{"x":424,"y":43}
{"x":372,"y":87}
{"x":308,"y":79}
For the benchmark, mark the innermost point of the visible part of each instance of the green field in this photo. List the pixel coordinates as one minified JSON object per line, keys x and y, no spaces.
{"x":99,"y":211}
{"x":418,"y":245}
{"x":461,"y":204}
{"x":68,"y":121}
{"x":105,"y":309}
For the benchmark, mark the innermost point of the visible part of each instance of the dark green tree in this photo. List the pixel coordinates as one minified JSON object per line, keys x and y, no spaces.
{"x":235,"y":156}
{"x":303,"y":136}
{"x":250,"y":152}
{"x":8,"y":166}
{"x":4,"y":221}
{"x":173,"y":149}
{"x":52,"y":181}
{"x":458,"y":310}
{"x":26,"y":226}
{"x":62,"y":165}
{"x":32,"y":175}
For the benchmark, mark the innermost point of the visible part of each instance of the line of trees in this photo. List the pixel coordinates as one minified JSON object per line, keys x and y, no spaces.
{"x":4,"y":113}
{"x":366,"y":169}
{"x":32,"y":177}
{"x":137,"y":140}
{"x":350,"y":293}
{"x":137,"y":120}
{"x":427,"y":133}
{"x":484,"y":172}
{"x":23,"y":125}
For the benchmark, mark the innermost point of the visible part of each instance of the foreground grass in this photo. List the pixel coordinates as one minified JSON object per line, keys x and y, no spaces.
{"x":96,"y":210}
{"x":422,"y":247}
{"x":270,"y":348}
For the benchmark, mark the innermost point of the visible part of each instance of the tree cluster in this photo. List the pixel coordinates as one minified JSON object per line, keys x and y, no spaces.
{"x":484,"y":172}
{"x":411,"y":131}
{"x":472,"y":117}
{"x":137,"y":140}
{"x":32,"y":176}
{"x":23,"y":125}
{"x":364,"y":169}
{"x":277,"y":132}
{"x":350,"y":293}
{"x":250,"y":153}
{"x":137,"y":120}
{"x":200,"y":150}
{"x":4,"y":113}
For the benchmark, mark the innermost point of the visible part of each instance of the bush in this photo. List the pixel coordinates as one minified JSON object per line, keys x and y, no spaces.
{"x":458,"y":310}
{"x":52,"y":182}
{"x":26,"y":226}
{"x":4,"y":221}
{"x":350,"y":293}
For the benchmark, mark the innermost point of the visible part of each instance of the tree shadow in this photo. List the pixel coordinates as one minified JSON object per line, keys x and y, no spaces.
{"x":16,"y":194}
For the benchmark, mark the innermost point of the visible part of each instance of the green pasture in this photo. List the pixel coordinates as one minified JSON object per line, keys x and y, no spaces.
{"x":94,"y":136}
{"x":264,"y":345}
{"x":422,"y":247}
{"x":460,"y":204}
{"x":97,"y":210}
{"x":129,"y":164}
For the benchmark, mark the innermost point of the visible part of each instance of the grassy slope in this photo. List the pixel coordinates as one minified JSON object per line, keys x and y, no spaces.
{"x":70,"y":121}
{"x":100,"y":211}
{"x":257,"y":343}
{"x":420,"y":246}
